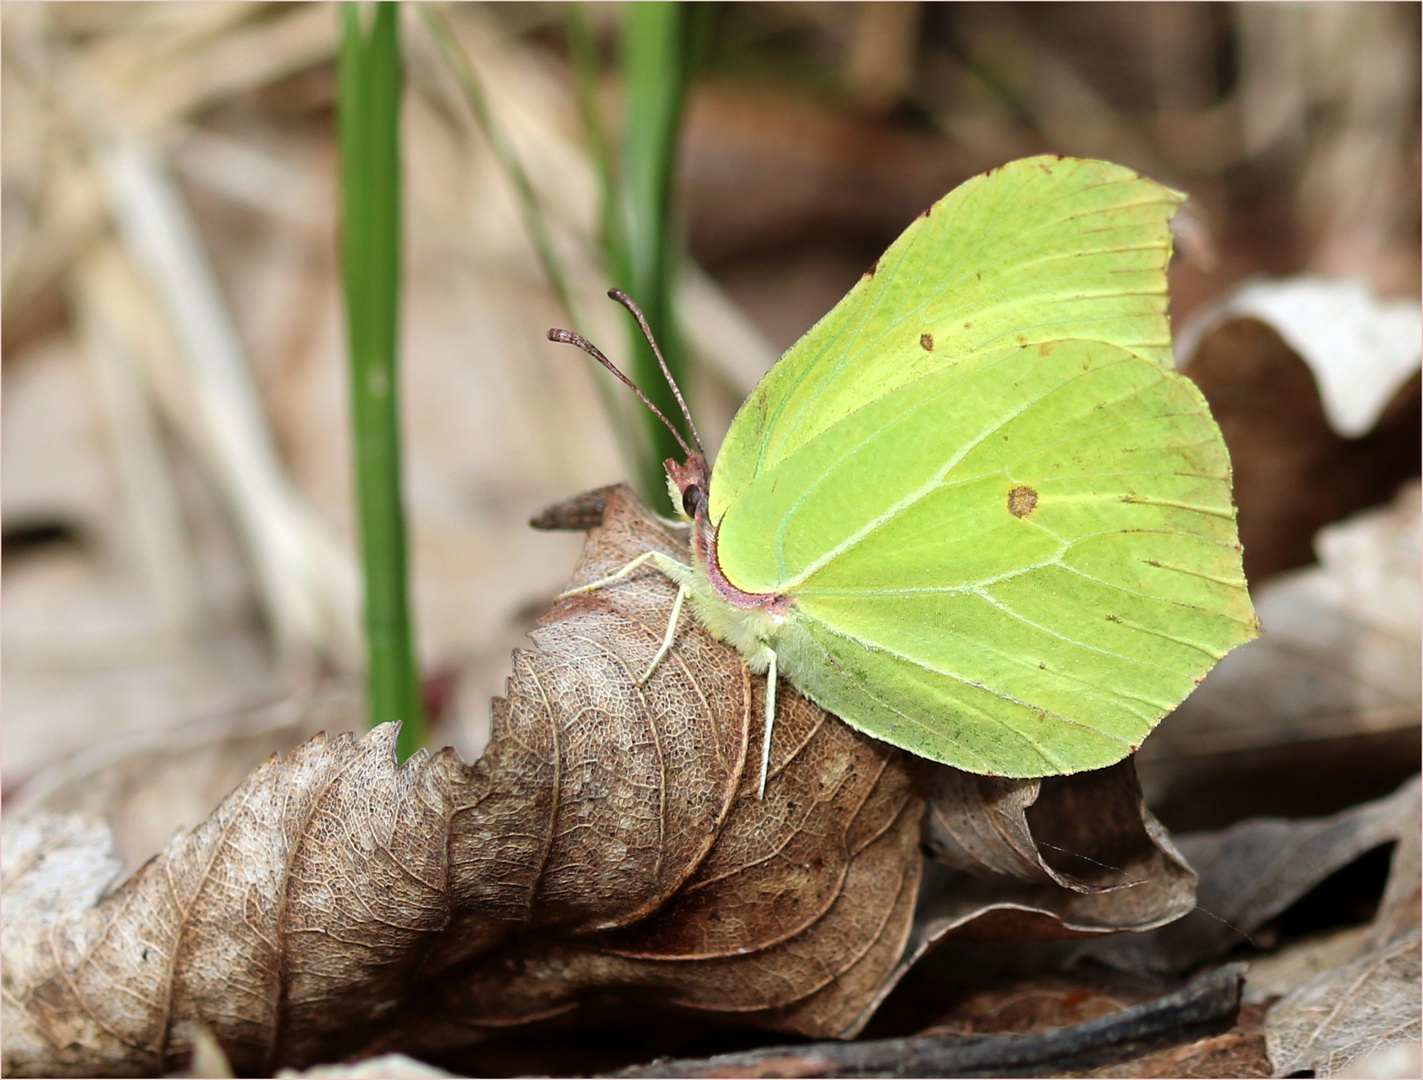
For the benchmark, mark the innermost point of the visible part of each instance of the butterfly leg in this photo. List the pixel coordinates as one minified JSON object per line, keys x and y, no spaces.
{"x":669,"y":636}
{"x":770,"y":721}
{"x":678,"y":572}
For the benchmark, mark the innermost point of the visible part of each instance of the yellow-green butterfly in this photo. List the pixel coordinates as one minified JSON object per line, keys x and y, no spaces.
{"x":974,"y":512}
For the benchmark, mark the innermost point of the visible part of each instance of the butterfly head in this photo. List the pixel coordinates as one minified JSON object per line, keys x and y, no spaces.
{"x":688,"y":483}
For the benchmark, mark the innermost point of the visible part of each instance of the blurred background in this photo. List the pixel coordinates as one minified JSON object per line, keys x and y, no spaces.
{"x":180,"y":578}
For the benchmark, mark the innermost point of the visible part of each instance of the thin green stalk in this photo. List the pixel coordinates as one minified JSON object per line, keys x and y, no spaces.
{"x":534,"y":219}
{"x":583,"y":53}
{"x":530,"y":209}
{"x":656,"y":54}
{"x":370,"y":91}
{"x":637,"y":226}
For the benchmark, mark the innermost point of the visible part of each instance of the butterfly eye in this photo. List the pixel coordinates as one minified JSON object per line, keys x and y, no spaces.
{"x":693,"y":500}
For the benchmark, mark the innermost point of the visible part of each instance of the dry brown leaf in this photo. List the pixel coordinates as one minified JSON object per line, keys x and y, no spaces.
{"x":1366,"y":998}
{"x":609,"y":841}
{"x":789,"y":912}
{"x":1355,"y":1010}
{"x":1372,"y":1003}
{"x":1272,"y":977}
{"x":1066,"y":857}
{"x":610,"y":838}
{"x":1082,"y":850}
{"x":1253,"y":871}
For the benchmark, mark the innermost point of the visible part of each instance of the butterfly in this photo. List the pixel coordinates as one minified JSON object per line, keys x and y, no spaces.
{"x":974,"y":511}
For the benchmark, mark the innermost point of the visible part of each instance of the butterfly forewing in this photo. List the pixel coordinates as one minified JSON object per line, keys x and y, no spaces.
{"x":1040,"y":250}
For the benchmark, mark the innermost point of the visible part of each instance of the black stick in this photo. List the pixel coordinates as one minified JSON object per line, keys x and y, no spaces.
{"x":1207,"y":1006}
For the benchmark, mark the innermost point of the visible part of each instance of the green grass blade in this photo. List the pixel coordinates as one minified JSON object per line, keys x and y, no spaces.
{"x":656,"y":53}
{"x":531,"y":211}
{"x":370,"y":92}
{"x":583,"y":53}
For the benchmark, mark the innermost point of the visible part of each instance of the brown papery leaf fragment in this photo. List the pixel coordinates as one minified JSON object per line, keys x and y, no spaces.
{"x":1327,"y":1025}
{"x":608,"y":843}
{"x":609,"y":840}
{"x":1330,"y":1024}
{"x":1255,"y":870}
{"x":1044,"y":860}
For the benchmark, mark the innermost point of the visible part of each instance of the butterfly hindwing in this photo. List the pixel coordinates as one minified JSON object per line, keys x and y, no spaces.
{"x":1040,"y":534}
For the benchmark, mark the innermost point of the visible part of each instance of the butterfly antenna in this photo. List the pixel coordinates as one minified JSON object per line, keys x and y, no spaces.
{"x":568,"y":337}
{"x":628,"y":302}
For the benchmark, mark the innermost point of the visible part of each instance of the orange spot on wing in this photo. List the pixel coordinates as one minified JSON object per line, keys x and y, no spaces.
{"x":1021,"y":501}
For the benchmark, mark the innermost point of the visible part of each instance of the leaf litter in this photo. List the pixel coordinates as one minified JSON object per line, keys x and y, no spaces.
{"x":1333,"y":1020}
{"x":609,"y":841}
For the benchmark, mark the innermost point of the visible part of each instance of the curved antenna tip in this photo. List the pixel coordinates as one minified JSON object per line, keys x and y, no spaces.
{"x":568,"y":337}
{"x":627,"y":301}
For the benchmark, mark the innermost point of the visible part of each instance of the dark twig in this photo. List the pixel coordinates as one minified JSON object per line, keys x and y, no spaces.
{"x":1204,"y":1007}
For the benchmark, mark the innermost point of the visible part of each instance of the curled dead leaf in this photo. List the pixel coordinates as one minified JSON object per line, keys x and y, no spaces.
{"x":609,"y":842}
{"x":610,"y":838}
{"x":1046,"y":860}
{"x":1256,"y":869}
